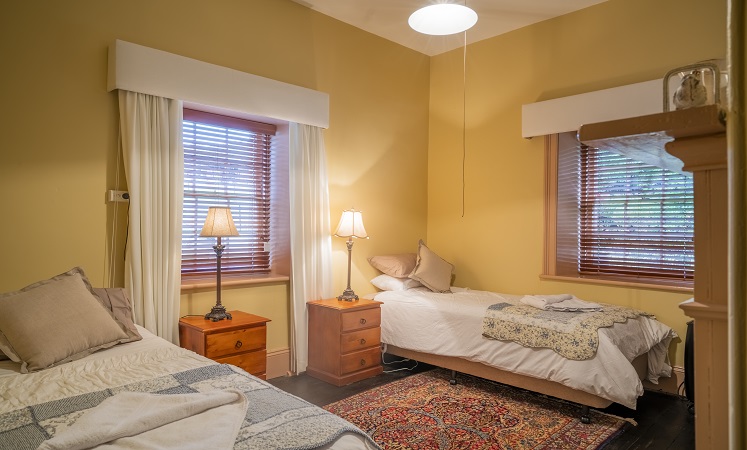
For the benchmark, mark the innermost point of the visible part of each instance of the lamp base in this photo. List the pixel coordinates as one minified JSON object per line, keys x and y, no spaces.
{"x":348,"y":295}
{"x":218,"y":313}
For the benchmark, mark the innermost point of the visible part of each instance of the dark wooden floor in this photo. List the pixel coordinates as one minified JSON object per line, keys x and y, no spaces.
{"x":664,"y":421}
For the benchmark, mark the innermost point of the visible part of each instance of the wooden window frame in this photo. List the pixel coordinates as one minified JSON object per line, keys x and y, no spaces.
{"x":199,"y":278}
{"x":559,"y":269}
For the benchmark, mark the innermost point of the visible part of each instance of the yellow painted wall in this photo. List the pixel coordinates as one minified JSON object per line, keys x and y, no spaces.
{"x":497,"y":243}
{"x":394,"y":143}
{"x":59,"y":127}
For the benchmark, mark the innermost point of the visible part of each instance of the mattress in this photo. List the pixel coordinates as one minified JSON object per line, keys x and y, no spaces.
{"x":451,"y":325}
{"x":123,"y":365}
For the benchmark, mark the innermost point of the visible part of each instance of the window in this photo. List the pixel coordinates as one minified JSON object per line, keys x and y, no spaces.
{"x":227,"y":162}
{"x":612,"y":218}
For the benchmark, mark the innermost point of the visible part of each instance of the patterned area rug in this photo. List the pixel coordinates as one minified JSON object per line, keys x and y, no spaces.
{"x":424,"y":411}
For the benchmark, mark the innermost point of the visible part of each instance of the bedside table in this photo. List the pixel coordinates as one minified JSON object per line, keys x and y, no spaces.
{"x":344,"y":340}
{"x":241,"y":341}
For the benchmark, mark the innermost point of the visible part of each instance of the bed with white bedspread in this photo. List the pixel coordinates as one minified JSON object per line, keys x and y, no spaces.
{"x":446,"y":329}
{"x":76,"y":372}
{"x":37,"y":406}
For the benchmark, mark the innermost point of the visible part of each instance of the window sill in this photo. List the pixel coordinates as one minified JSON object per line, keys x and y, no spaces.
{"x":619,"y":283}
{"x":196,"y":284}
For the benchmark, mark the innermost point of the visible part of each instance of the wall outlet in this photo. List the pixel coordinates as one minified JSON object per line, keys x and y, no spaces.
{"x":117,"y":196}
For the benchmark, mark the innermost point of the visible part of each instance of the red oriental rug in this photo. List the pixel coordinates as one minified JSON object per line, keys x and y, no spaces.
{"x":424,"y":411}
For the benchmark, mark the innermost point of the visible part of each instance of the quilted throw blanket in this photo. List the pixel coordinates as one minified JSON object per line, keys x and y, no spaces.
{"x":571,"y":334}
{"x":274,"y":419}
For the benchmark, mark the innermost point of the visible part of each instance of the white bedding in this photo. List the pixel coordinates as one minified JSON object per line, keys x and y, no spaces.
{"x":114,"y":367}
{"x":451,"y":325}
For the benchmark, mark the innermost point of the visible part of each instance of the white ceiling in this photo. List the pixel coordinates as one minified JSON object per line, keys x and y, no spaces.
{"x":388,"y":18}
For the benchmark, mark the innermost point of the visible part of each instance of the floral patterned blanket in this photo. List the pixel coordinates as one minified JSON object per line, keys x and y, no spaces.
{"x":571,"y":334}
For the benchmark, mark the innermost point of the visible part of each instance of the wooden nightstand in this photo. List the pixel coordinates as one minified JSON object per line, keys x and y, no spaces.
{"x":241,"y":341}
{"x":344,"y":340}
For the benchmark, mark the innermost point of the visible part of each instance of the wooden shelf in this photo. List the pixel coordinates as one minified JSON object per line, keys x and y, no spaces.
{"x":644,"y":138}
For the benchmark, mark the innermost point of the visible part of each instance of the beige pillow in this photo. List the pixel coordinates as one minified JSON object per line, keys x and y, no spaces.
{"x":397,"y":266}
{"x":432,"y":270}
{"x":57,"y":321}
{"x":117,"y":301}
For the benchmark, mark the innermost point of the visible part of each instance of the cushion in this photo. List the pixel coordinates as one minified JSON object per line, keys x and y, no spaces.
{"x":117,"y":301}
{"x":397,"y":266}
{"x":55,"y":321}
{"x":389,"y":283}
{"x":432,"y":270}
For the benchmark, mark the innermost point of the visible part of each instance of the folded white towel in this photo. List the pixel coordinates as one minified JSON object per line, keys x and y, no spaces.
{"x":550,"y":299}
{"x":569,"y":304}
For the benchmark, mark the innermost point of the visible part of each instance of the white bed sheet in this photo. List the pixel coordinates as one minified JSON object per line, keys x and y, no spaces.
{"x":451,"y":325}
{"x":113,"y":367}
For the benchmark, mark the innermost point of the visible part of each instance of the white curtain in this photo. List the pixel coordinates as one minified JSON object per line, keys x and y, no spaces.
{"x":311,"y":246}
{"x":151,"y":129}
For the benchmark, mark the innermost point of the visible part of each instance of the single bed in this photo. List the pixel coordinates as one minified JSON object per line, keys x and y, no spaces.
{"x":445,"y":329}
{"x":85,"y":375}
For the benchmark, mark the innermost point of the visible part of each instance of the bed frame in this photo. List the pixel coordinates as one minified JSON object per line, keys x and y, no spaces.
{"x":540,"y":385}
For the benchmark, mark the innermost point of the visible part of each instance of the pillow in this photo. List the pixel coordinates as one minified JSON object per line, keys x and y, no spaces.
{"x":432,"y":270}
{"x":397,"y":266}
{"x":117,"y":301}
{"x":56,"y":321}
{"x":389,"y":283}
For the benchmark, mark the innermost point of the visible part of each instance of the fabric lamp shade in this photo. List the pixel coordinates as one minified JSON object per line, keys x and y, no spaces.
{"x":219,"y":223}
{"x":351,"y":225}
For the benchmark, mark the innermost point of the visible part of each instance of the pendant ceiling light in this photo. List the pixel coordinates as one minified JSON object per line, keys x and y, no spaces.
{"x":442,"y":19}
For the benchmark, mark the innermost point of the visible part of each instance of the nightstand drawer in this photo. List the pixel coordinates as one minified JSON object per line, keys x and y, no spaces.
{"x":227,"y":343}
{"x":359,"y":340}
{"x":365,"y":318}
{"x":253,"y":362}
{"x":360,"y":360}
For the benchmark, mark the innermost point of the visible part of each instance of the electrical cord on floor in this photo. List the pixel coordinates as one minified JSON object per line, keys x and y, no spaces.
{"x":383,"y":361}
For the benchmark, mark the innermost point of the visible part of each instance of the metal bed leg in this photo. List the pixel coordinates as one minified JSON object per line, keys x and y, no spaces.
{"x":453,"y":380}
{"x":585,"y":414}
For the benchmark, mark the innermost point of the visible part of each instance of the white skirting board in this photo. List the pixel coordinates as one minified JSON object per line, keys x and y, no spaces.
{"x":278,"y":363}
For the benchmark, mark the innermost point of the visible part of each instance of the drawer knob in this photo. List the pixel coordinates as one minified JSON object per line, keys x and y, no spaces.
{"x":363,"y":321}
{"x":363,"y":362}
{"x":238,"y":345}
{"x":363,"y":341}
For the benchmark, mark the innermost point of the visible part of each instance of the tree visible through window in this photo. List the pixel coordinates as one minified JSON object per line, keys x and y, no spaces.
{"x":226,"y":163}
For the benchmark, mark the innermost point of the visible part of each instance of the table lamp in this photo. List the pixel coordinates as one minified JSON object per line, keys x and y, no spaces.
{"x":218,"y":223}
{"x":350,"y":226}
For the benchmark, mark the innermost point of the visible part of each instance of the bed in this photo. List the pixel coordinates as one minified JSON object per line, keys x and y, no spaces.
{"x":141,"y":391}
{"x":444,"y":329}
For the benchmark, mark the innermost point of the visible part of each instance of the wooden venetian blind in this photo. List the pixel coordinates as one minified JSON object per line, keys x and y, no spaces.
{"x":226,"y":163}
{"x":635,"y":220}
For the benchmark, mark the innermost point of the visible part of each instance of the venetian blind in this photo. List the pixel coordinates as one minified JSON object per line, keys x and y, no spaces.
{"x":635,"y":220}
{"x":226,"y":163}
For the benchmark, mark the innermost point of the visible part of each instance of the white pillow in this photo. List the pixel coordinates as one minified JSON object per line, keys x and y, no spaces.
{"x":389,"y":283}
{"x":432,"y":270}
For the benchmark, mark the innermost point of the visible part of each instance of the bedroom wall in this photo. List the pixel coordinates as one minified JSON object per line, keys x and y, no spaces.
{"x":497,"y":243}
{"x":59,"y":128}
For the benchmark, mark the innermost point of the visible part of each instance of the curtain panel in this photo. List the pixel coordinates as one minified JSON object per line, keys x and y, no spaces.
{"x":311,"y":246}
{"x":151,"y":133}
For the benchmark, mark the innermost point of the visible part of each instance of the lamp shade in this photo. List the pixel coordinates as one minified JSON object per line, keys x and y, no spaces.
{"x":219,"y":223}
{"x":351,"y":225}
{"x":442,"y":19}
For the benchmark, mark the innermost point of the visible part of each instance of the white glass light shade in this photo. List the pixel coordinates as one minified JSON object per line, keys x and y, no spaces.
{"x":442,"y":19}
{"x":351,"y":225}
{"x":219,"y":223}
